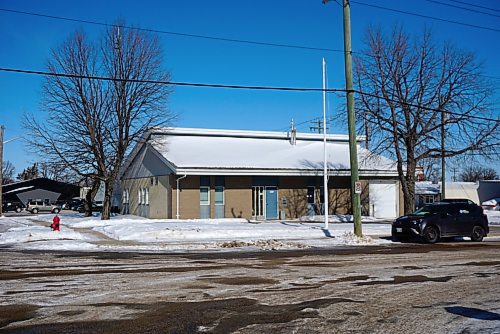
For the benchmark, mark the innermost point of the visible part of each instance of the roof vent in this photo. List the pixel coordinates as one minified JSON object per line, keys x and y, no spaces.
{"x":293,"y":133}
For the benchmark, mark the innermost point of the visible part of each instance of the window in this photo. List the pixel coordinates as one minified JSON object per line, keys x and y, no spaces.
{"x":156,"y":181}
{"x":125,"y":196}
{"x":310,"y":195}
{"x":151,"y":181}
{"x":428,"y":199}
{"x":204,"y":195}
{"x":146,"y":196}
{"x":219,"y":195}
{"x":258,"y":201}
{"x":139,"y":196}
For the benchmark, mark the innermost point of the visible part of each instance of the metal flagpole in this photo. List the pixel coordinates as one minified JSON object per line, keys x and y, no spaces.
{"x":325,"y":163}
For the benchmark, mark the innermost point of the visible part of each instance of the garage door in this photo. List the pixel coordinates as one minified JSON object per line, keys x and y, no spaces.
{"x":384,"y":199}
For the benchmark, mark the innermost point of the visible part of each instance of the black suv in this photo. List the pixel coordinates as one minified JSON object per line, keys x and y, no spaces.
{"x":12,"y":206}
{"x":442,"y":219}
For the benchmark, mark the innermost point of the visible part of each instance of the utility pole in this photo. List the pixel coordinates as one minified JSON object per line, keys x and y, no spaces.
{"x":1,"y":168}
{"x":351,"y":122}
{"x":319,"y":127}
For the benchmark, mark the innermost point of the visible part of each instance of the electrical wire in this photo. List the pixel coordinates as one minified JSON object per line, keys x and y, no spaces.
{"x":173,"y":83}
{"x":474,"y":5}
{"x":205,"y":36}
{"x":234,"y":40}
{"x":425,"y":16}
{"x":427,"y":108}
{"x":464,"y":8}
{"x":207,"y":85}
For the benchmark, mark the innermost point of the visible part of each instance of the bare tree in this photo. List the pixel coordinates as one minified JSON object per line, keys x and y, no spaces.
{"x":412,"y":91}
{"x":478,"y":173}
{"x":8,"y":171}
{"x":116,"y":91}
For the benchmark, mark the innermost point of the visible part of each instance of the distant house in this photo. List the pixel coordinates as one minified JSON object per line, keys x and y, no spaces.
{"x":39,"y":189}
{"x":427,"y":192}
{"x":206,"y":173}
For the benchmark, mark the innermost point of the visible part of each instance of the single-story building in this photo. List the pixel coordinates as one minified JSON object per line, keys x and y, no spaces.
{"x":205,"y":173}
{"x":426,"y":192}
{"x":40,"y":188}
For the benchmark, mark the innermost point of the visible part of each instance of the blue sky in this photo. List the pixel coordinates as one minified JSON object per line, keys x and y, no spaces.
{"x":26,"y":42}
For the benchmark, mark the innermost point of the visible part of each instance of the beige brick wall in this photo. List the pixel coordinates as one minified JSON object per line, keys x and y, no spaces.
{"x":294,"y":190}
{"x":189,"y":197}
{"x":238,"y":197}
{"x":159,"y":204}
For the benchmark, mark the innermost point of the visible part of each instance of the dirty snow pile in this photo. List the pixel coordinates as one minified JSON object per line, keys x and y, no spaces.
{"x":132,"y":233}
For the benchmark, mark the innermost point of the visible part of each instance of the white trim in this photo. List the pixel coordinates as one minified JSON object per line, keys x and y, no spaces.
{"x":277,"y":172}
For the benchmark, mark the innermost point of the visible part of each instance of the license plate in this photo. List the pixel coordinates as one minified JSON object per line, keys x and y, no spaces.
{"x":399,"y":229}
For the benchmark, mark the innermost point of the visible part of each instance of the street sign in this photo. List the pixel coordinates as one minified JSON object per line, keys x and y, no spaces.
{"x":357,"y":187}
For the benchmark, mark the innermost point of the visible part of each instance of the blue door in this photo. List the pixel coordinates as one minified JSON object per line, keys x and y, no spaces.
{"x":271,"y":203}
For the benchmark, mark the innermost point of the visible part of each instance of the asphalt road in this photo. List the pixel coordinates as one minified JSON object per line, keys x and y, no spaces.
{"x":402,"y":288}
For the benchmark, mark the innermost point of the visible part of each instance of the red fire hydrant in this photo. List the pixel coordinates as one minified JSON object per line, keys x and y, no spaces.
{"x":55,"y":223}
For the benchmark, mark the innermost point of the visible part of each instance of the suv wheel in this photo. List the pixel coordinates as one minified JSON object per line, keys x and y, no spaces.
{"x":431,"y":234}
{"x":18,"y":210}
{"x":477,"y":233}
{"x":35,"y":211}
{"x":56,"y":210}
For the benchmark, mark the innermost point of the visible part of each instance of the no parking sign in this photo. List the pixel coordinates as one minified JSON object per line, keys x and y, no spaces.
{"x":357,"y":187}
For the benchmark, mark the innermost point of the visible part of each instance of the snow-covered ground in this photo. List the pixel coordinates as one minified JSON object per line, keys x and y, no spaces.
{"x":131,"y":233}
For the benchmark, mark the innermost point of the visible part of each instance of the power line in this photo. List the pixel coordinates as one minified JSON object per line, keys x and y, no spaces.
{"x":234,"y":40}
{"x":207,"y":85}
{"x":426,"y":16}
{"x":202,"y":36}
{"x":474,"y":5}
{"x":464,"y":8}
{"x":173,"y":83}
{"x":427,"y":108}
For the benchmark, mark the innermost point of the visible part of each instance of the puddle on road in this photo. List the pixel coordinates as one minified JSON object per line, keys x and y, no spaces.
{"x":295,"y":288}
{"x":486,"y":275}
{"x":353,"y":278}
{"x":70,"y":313}
{"x":14,"y":313}
{"x":16,"y":292}
{"x":17,"y":274}
{"x":481,"y":263}
{"x":241,"y":280}
{"x":216,"y":316}
{"x":412,"y":267}
{"x":318,"y":264}
{"x":407,"y":279}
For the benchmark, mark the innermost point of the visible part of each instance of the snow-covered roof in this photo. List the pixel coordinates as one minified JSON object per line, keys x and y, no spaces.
{"x":427,"y":188}
{"x":223,"y":152}
{"x":18,"y":189}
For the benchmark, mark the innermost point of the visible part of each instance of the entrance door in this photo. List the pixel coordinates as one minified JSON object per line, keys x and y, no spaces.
{"x":271,"y":203}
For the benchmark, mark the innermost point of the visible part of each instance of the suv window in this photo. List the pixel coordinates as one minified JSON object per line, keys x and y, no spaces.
{"x":451,"y":210}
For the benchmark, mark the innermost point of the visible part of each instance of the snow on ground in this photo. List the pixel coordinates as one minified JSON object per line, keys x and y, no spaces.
{"x":132,"y":233}
{"x":493,"y":217}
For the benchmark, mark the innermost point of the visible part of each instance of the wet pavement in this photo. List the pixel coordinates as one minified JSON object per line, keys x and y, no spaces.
{"x":450,"y":287}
